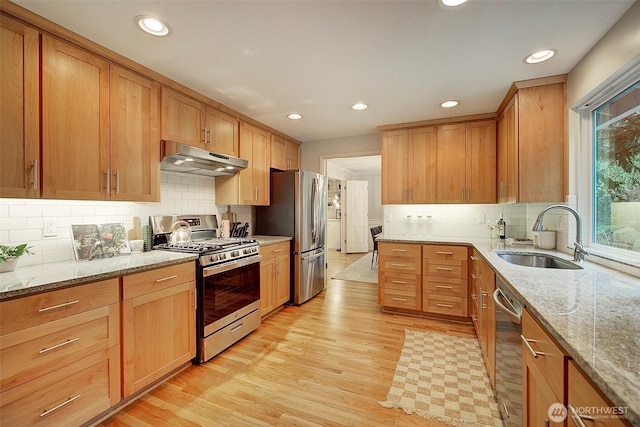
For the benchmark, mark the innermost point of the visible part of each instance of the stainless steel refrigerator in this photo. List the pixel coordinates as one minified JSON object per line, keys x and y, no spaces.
{"x":298,"y":209}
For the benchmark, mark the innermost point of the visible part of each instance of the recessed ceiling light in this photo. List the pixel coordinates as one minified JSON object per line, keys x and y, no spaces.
{"x":359,"y":106}
{"x":153,"y":26}
{"x":451,"y":3}
{"x":295,"y":116}
{"x":540,"y":56}
{"x":449,"y":104}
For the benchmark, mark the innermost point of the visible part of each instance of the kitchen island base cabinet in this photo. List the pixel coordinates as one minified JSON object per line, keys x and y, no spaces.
{"x":444,"y":280}
{"x":399,"y":269}
{"x":158,"y":318}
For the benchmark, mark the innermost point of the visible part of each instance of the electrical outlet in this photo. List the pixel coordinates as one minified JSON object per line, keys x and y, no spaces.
{"x":50,"y":227}
{"x":482,"y":218}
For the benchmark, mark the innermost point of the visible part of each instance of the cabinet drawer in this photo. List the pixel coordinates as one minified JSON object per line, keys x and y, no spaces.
{"x":30,"y":353}
{"x":400,"y":281}
{"x":69,"y":396}
{"x":445,"y":286}
{"x":399,"y":264}
{"x":549,"y":357}
{"x":445,"y":268}
{"x":142,"y":283}
{"x":442,"y":304}
{"x":271,"y":251}
{"x":399,"y":249}
{"x":38,"y":309}
{"x":401,"y":299}
{"x":444,"y":252}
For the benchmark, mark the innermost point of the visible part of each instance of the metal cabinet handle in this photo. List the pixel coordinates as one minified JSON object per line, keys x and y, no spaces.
{"x":108,"y":177}
{"x":34,"y":166}
{"x":398,"y":250}
{"x":444,"y":305}
{"x":53,"y":307}
{"x":399,"y":299}
{"x":444,"y":253}
{"x":474,"y":276}
{"x":526,"y":342}
{"x":444,"y":268}
{"x":484,"y":294}
{"x":577,"y":417}
{"x":204,"y":135}
{"x":276,"y":251}
{"x":400,"y":282}
{"x":444,"y":287}
{"x":55,"y":408}
{"x":166,"y":278}
{"x":62,"y":344}
{"x":399,"y":265}
{"x":235,"y":328}
{"x":118,"y":181}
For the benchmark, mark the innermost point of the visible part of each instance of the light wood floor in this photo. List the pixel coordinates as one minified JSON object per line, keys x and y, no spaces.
{"x":326,"y":363}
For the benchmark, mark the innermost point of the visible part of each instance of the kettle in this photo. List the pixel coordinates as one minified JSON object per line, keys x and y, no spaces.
{"x":180,"y":233}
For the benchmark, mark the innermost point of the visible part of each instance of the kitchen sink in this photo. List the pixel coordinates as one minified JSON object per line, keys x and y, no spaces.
{"x":532,"y":259}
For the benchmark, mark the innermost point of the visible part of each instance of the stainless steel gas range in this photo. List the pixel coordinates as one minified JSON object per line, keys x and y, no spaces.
{"x":227,"y":281}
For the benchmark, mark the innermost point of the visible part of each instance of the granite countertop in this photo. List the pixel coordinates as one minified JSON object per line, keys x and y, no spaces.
{"x":594,"y":313}
{"x":270,"y":240}
{"x":46,"y":277}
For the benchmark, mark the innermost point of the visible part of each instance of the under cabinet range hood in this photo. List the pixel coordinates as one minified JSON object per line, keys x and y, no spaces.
{"x":179,"y":157}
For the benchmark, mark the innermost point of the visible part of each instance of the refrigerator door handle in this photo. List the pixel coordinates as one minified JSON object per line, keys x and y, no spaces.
{"x":314,"y":210}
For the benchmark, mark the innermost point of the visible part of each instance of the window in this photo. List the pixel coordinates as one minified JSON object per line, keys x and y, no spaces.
{"x":615,"y":186}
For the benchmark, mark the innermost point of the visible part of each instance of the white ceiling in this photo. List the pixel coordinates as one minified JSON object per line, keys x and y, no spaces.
{"x":269,"y":58}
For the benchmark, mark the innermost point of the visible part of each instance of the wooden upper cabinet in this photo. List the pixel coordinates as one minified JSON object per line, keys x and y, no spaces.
{"x":75,"y":122}
{"x":251,"y":185}
{"x":422,"y":158}
{"x":221,"y":132}
{"x":395,"y":156}
{"x":19,"y":110}
{"x":466,"y":162}
{"x":284,"y":154}
{"x":532,"y":135}
{"x":135,"y":154}
{"x":183,"y":119}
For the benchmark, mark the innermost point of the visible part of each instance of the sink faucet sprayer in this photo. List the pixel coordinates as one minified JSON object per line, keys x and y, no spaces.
{"x":579,"y":251}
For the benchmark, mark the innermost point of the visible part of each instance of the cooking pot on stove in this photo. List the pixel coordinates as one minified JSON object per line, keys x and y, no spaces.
{"x":180,"y":232}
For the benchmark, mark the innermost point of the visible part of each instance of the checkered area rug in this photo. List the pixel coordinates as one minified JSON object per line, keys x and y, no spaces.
{"x":443,"y":378}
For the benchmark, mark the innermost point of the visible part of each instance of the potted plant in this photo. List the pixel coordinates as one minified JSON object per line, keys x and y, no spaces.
{"x":9,"y":256}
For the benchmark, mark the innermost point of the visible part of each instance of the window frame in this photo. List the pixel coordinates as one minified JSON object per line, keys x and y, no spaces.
{"x":585,"y":168}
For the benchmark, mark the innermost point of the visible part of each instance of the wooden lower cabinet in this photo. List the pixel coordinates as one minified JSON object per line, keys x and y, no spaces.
{"x":483,"y":311}
{"x":158,"y":324}
{"x":444,"y":280}
{"x":60,"y":355}
{"x":399,"y":270}
{"x":275,"y":276}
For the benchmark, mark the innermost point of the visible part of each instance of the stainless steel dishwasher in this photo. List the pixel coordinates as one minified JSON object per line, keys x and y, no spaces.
{"x":508,"y":354}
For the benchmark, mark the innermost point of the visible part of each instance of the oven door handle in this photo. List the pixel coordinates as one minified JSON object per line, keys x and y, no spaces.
{"x":510,"y":313}
{"x":215,"y":269}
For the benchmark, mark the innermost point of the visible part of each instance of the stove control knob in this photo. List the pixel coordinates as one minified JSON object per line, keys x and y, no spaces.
{"x":221,"y":257}
{"x":235,"y":253}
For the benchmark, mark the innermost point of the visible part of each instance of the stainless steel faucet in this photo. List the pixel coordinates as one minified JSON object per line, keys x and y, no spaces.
{"x":579,"y":251}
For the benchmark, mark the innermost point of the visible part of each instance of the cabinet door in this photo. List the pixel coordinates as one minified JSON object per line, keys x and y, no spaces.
{"x":135,"y":157}
{"x":267,"y":283}
{"x":19,"y":110}
{"x":538,"y":396}
{"x":278,"y":153}
{"x":283,"y":280}
{"x":422,"y":158}
{"x":182,"y":119}
{"x":451,"y":164}
{"x":507,"y":153}
{"x":395,"y":155}
{"x":293,"y":155}
{"x":158,"y":334}
{"x":254,"y":180}
{"x":541,"y":143}
{"x":480,"y":172}
{"x":75,"y":122}
{"x":222,"y":133}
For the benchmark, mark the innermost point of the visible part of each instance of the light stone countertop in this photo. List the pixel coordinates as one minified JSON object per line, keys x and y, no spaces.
{"x":270,"y":240}
{"x":594,"y":313}
{"x":46,"y":277}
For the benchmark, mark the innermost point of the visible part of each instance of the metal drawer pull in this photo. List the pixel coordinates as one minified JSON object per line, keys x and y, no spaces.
{"x":474,"y":276}
{"x":235,"y":328}
{"x":277,"y":250}
{"x":44,"y":350}
{"x":444,"y":287}
{"x":526,"y":342}
{"x":444,"y":268}
{"x":399,"y":250}
{"x":472,"y":258}
{"x":444,"y":253}
{"x":401,"y":282}
{"x":577,"y":417}
{"x":399,"y":299}
{"x":53,"y":307}
{"x":444,"y":305}
{"x":55,"y":408}
{"x":166,"y":278}
{"x":35,"y":174}
{"x":399,"y":265}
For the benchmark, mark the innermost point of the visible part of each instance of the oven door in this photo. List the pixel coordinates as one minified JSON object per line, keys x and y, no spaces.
{"x":226,"y":291}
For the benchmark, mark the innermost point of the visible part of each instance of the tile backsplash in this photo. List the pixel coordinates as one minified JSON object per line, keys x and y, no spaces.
{"x":22,"y":220}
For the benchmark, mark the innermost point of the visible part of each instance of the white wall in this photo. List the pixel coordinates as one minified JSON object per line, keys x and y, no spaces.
{"x":21,"y":220}
{"x":312,"y":153}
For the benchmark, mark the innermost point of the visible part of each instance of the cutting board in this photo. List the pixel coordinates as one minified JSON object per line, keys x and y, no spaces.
{"x":228,"y":215}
